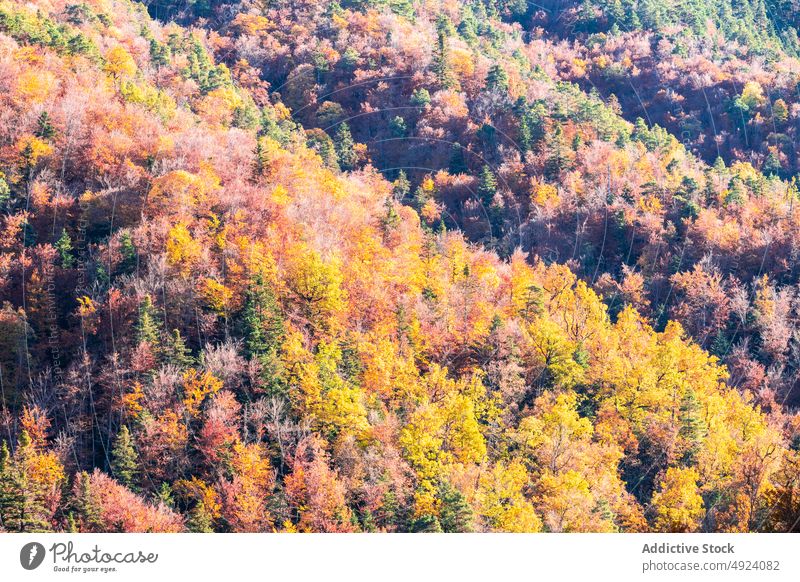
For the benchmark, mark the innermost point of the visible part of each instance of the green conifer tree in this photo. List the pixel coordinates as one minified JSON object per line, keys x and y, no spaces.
{"x":497,"y":79}
{"x":44,"y":128}
{"x":177,"y":353}
{"x":148,"y":328}
{"x":64,"y":247}
{"x":441,"y":59}
{"x":455,"y":515}
{"x":487,"y":186}
{"x":344,"y":146}
{"x":124,"y":459}
{"x":693,"y":428}
{"x":263,"y":330}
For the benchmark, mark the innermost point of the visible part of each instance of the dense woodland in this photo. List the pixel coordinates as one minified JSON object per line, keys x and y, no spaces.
{"x":399,"y":266}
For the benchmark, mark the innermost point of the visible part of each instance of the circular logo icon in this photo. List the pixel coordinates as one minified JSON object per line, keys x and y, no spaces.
{"x":31,"y":555}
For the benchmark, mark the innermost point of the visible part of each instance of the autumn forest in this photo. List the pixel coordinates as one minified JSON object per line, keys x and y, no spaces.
{"x":399,"y":266}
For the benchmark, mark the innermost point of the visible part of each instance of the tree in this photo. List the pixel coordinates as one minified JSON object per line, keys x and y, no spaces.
{"x":455,"y":515}
{"x":401,"y":186}
{"x":177,"y":352}
{"x":245,"y":494}
{"x":487,"y":186}
{"x":148,"y":328}
{"x":501,"y":501}
{"x":200,"y":520}
{"x":124,"y":460}
{"x":103,"y":505}
{"x":345,"y":152}
{"x":128,"y":251}
{"x":315,"y":491}
{"x":772,"y":165}
{"x":30,"y":487}
{"x":497,"y":79}
{"x":780,"y":112}
{"x":44,"y":128}
{"x":398,"y":127}
{"x":119,"y":63}
{"x":64,"y":248}
{"x":678,"y":505}
{"x":559,"y":157}
{"x":320,"y":142}
{"x":420,"y":97}
{"x":11,"y":497}
{"x":693,"y":427}
{"x":441,"y":58}
{"x":263,"y":330}
{"x":426,"y":524}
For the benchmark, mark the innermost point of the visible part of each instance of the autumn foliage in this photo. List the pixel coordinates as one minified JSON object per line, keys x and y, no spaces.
{"x":224,"y":308}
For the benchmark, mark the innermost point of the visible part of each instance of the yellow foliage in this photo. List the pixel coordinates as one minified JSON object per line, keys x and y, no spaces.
{"x":150,"y":98}
{"x":317,"y":284}
{"x":334,"y":404}
{"x":678,"y":505}
{"x":251,"y":24}
{"x":32,"y":149}
{"x":650,"y":204}
{"x":218,"y":296}
{"x":119,"y":63}
{"x":132,"y":402}
{"x":197,"y":387}
{"x":217,"y":106}
{"x":501,"y":501}
{"x":35,"y":86}
{"x":545,"y":195}
{"x":86,"y":306}
{"x":182,"y":249}
{"x":180,"y":191}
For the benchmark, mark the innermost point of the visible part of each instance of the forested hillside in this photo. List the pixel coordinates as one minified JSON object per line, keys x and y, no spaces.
{"x":412,"y":266}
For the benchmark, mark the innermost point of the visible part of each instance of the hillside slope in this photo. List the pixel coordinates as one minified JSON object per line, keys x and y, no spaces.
{"x":218,"y":318}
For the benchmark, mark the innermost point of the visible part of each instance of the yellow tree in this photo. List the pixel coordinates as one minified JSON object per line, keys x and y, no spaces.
{"x":678,"y":505}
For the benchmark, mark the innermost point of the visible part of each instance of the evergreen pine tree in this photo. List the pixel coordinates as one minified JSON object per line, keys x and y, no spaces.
{"x":177,"y":353}
{"x":260,"y":161}
{"x":344,"y":146}
{"x":128,"y":251}
{"x":148,"y":326}
{"x":420,"y":97}
{"x":441,"y":59}
{"x":455,"y":515}
{"x":693,"y":428}
{"x":458,"y":164}
{"x":9,"y":489}
{"x":5,"y":192}
{"x":401,"y":187}
{"x":200,"y":520}
{"x":559,"y":158}
{"x":772,"y":165}
{"x":124,"y":460}
{"x":22,"y":500}
{"x":64,"y":247}
{"x":426,"y":524}
{"x":263,"y":330}
{"x":497,"y":79}
{"x":398,"y":127}
{"x":159,"y":54}
{"x":87,"y":512}
{"x":468,"y":27}
{"x":487,"y":186}
{"x":164,"y":495}
{"x":44,"y":128}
